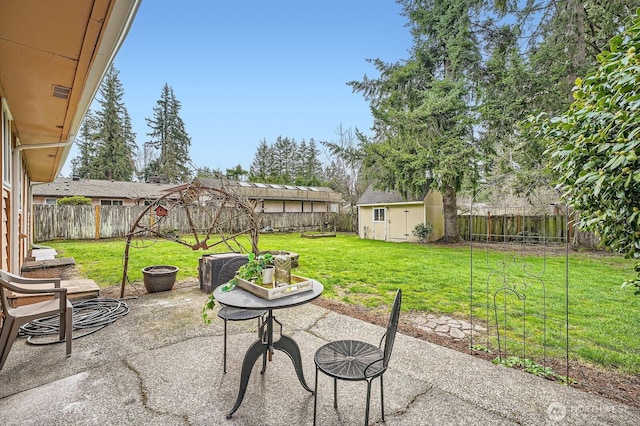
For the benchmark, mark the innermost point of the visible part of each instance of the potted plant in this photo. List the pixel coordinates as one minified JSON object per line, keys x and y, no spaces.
{"x":258,"y":269}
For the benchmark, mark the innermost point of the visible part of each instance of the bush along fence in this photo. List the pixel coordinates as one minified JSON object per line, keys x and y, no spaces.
{"x":52,"y":222}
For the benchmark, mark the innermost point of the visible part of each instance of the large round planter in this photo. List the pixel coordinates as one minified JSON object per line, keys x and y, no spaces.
{"x":159,"y":278}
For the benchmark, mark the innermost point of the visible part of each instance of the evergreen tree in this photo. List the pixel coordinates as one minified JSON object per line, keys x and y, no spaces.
{"x":169,"y":137}
{"x":107,"y":142}
{"x":422,"y":108}
{"x":505,"y":84}
{"x":300,"y":174}
{"x":284,"y":151}
{"x":262,"y":163}
{"x":335,"y":177}
{"x":236,"y":173}
{"x":310,"y":168}
{"x":84,"y":164}
{"x":565,"y":39}
{"x":286,"y":162}
{"x":207,"y":172}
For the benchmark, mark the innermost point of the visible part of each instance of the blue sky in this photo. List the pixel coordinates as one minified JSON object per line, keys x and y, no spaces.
{"x":253,"y":70}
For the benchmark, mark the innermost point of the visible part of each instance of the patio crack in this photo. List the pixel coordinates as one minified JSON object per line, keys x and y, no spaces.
{"x":144,"y":395}
{"x":402,"y":411}
{"x":310,"y":327}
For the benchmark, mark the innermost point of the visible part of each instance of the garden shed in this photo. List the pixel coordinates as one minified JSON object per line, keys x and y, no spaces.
{"x":387,"y":216}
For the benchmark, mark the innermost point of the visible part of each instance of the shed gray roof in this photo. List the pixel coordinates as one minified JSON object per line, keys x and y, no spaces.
{"x":375,"y":196}
{"x":94,"y":188}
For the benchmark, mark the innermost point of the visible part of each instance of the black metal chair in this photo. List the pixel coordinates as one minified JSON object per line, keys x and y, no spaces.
{"x":356,"y":361}
{"x":227,"y":313}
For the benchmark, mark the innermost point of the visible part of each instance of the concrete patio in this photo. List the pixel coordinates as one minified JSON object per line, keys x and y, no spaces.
{"x":162,"y":365}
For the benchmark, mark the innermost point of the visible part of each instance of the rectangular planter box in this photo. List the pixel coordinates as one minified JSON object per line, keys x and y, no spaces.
{"x":298,"y":285}
{"x":210,"y":267}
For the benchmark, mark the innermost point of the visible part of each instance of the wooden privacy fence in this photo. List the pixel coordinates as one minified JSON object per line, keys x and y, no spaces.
{"x":552,"y":228}
{"x":52,"y":222}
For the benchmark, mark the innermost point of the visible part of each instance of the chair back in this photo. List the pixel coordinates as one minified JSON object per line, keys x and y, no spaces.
{"x":390,"y":335}
{"x":6,"y":279}
{"x":4,"y":301}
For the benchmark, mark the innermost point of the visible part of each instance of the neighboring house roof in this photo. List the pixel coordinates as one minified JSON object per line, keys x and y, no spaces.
{"x":271,"y":191}
{"x":374,"y":196}
{"x":54,"y":55}
{"x":94,"y":188}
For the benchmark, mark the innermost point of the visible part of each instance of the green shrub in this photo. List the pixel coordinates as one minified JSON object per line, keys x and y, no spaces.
{"x":423,"y":231}
{"x":74,"y":201}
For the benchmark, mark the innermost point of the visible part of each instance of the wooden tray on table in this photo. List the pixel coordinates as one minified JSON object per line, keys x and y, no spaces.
{"x":268,"y":292}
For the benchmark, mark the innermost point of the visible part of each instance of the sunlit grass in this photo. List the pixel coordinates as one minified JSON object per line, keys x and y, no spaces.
{"x":434,"y":279}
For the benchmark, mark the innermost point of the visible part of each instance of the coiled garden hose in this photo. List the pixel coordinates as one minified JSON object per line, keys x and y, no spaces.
{"x":88,"y":315}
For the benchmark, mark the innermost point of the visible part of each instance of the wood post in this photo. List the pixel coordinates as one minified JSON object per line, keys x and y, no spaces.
{"x":97,"y":222}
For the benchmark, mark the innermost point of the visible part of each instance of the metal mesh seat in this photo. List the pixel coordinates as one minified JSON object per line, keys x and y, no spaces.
{"x":227,"y":272}
{"x":355,"y":361}
{"x":234,"y":314}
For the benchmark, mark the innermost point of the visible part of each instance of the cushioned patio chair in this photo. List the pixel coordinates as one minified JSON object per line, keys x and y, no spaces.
{"x":15,"y":317}
{"x":358,"y":361}
{"x":227,"y":313}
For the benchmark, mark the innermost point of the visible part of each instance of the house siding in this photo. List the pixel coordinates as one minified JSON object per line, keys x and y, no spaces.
{"x":4,"y":242}
{"x":293,"y":206}
{"x":273,"y":199}
{"x":6,"y":145}
{"x":94,"y":201}
{"x":23,"y":216}
{"x":271,"y":206}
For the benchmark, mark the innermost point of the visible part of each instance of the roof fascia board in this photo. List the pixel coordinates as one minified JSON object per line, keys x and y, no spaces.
{"x":402,"y":203}
{"x":122,"y":13}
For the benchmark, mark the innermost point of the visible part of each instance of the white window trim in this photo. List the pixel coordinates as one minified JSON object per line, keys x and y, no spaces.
{"x":6,"y":144}
{"x":111,"y":202}
{"x":384,"y":213}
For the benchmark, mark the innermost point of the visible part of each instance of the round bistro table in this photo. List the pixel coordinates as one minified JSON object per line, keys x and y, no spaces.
{"x":239,"y":298}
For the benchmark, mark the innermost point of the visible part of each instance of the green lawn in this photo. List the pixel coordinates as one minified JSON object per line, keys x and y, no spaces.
{"x":434,"y":279}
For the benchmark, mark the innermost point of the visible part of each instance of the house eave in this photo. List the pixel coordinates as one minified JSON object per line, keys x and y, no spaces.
{"x":54,"y":56}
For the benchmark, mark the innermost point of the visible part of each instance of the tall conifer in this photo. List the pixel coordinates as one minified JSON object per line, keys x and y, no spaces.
{"x":107,"y":142}
{"x":169,"y":138}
